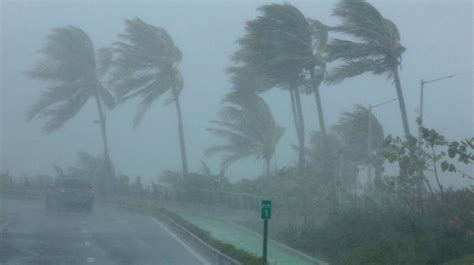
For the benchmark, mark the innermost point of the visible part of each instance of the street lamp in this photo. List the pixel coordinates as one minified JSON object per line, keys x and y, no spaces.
{"x":369,"y":136}
{"x":422,"y":88}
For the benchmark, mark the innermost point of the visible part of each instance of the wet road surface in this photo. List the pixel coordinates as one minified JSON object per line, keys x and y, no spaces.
{"x":106,"y":236}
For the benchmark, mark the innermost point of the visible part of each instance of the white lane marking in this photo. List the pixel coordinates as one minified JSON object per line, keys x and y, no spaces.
{"x":87,"y":244}
{"x":90,"y":260}
{"x":187,"y":247}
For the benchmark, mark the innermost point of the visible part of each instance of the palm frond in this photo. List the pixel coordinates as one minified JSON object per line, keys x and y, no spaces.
{"x":320,"y":34}
{"x":355,"y":68}
{"x":278,"y":43}
{"x":104,"y":61}
{"x":145,"y":65}
{"x":68,"y":56}
{"x":246,"y":127}
{"x":352,"y":127}
{"x":69,"y":63}
{"x":377,"y":39}
{"x":149,"y":94}
{"x":60,"y":113}
{"x":360,"y":19}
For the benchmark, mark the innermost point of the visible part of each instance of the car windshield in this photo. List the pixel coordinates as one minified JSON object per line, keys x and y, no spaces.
{"x":236,"y":132}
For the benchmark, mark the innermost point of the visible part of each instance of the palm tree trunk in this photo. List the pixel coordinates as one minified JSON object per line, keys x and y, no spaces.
{"x":300,"y":131}
{"x":182,"y":144}
{"x":322,"y":126}
{"x":317,"y":97}
{"x":406,"y":128}
{"x":108,"y":162}
{"x":293,"y":110}
{"x":267,"y":168}
{"x":297,"y":126}
{"x":401,"y":102}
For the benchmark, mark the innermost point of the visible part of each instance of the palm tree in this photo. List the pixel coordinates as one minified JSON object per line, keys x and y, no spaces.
{"x":146,"y":66}
{"x":278,"y":46}
{"x":88,"y":166}
{"x":376,"y":47}
{"x":320,"y":33}
{"x":353,"y":128}
{"x":330,"y":151}
{"x":73,"y":68}
{"x":248,"y":128}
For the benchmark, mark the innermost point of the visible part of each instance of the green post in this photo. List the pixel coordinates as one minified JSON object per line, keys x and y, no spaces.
{"x":265,"y":241}
{"x":266,"y":214}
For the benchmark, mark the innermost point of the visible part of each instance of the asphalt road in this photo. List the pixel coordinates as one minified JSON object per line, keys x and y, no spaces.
{"x":106,"y":236}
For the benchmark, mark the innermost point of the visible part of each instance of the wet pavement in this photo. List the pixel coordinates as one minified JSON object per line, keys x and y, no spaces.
{"x":30,"y":235}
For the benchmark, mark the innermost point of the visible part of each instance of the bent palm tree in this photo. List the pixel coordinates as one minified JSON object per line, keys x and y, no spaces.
{"x":146,"y":66}
{"x":72,"y":68}
{"x":320,"y":34}
{"x":353,"y":129}
{"x":278,"y":46}
{"x":377,"y":48}
{"x":247,"y":126}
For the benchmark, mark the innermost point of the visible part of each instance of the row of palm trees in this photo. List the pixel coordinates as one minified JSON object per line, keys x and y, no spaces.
{"x":284,"y":49}
{"x":281,"y":49}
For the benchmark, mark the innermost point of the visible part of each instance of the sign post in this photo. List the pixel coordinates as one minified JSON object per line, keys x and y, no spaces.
{"x":266,"y":214}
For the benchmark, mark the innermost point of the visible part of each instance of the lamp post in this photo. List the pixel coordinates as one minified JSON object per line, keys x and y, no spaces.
{"x":369,"y":137}
{"x":420,"y":130}
{"x":422,"y":88}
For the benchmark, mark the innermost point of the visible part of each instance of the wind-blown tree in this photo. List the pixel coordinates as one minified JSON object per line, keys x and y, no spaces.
{"x":353,"y":130}
{"x":320,"y":36}
{"x":146,"y":64}
{"x":247,"y":126}
{"x":73,"y":69}
{"x":375,"y":47}
{"x":90,"y":167}
{"x":278,"y":48}
{"x":319,"y":156}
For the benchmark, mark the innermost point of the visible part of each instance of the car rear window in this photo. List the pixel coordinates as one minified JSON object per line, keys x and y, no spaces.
{"x":76,"y":183}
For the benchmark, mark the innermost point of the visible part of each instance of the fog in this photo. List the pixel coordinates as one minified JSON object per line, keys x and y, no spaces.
{"x":437,"y":35}
{"x":237,"y":132}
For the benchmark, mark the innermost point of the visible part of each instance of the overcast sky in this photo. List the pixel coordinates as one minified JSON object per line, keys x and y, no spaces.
{"x":437,"y":35}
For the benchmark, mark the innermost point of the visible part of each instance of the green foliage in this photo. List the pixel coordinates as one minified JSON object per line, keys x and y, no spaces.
{"x":248,"y":128}
{"x":278,"y":44}
{"x":391,"y":235}
{"x":353,"y":130}
{"x":145,"y":65}
{"x":69,"y":65}
{"x":375,"y":46}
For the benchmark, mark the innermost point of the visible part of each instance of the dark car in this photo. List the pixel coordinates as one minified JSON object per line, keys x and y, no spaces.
{"x":70,"y":193}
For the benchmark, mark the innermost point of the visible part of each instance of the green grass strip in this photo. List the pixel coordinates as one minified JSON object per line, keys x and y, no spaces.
{"x":244,"y":240}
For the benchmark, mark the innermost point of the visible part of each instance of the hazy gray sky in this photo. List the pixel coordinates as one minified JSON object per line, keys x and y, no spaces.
{"x":437,"y":35}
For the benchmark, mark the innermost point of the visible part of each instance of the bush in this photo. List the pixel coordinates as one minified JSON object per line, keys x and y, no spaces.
{"x":395,"y":236}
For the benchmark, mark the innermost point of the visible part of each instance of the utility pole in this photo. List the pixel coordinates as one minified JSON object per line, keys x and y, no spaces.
{"x":369,"y":137}
{"x":369,"y":142}
{"x":420,"y":118}
{"x":419,"y":182}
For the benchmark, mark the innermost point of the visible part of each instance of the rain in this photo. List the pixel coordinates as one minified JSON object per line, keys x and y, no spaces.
{"x":236,"y":132}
